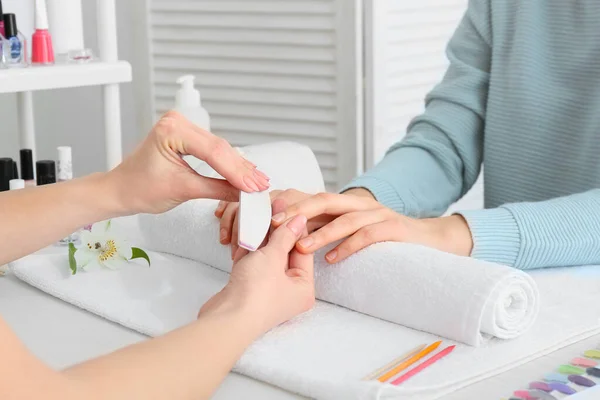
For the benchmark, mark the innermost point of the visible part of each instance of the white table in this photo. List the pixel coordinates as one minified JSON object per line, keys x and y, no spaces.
{"x":61,"y":335}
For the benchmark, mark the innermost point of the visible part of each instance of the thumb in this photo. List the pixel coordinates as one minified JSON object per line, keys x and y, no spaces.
{"x":285,"y":237}
{"x":201,"y":187}
{"x":301,"y":265}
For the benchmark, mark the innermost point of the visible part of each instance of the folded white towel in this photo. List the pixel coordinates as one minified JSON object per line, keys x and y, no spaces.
{"x":454,"y":297}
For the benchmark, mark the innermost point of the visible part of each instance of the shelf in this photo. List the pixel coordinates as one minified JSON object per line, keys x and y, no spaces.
{"x":63,"y":76}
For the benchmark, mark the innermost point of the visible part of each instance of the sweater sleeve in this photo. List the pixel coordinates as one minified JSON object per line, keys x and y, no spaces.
{"x":560,"y":232}
{"x":440,"y":158}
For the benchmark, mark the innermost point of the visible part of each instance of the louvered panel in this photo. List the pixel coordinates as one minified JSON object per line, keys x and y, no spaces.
{"x":405,"y":61}
{"x":268,"y":70}
{"x":164,"y":93}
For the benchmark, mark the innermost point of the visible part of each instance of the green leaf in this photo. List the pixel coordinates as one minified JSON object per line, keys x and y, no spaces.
{"x":72,"y":261}
{"x":139,"y":253}
{"x":108,"y":225}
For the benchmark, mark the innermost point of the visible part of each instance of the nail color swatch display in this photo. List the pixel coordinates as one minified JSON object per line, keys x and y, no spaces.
{"x":567,"y":379}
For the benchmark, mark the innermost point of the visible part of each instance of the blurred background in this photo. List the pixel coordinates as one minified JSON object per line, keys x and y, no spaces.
{"x":342,"y":76}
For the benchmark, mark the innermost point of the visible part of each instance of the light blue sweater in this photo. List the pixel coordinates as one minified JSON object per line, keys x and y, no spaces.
{"x":522,"y":98}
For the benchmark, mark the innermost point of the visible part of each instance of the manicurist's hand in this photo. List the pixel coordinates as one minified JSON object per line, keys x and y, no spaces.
{"x":271,"y":285}
{"x":227,"y":212}
{"x":155,"y":178}
{"x":363,"y":221}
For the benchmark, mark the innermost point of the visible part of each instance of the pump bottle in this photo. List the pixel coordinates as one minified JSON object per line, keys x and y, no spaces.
{"x":188,"y":103}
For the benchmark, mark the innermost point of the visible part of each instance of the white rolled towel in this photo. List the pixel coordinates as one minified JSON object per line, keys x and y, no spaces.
{"x":454,"y":297}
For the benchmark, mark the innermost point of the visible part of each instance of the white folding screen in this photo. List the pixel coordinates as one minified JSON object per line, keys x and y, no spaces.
{"x":404,"y":58}
{"x":267,"y":70}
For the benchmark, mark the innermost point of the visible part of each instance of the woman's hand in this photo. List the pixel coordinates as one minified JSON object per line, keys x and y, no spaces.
{"x":227,"y":212}
{"x":155,"y":178}
{"x":363,"y":221}
{"x":272,"y":284}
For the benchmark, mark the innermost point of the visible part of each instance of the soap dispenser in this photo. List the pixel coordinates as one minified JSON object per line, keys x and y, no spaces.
{"x":188,"y":104}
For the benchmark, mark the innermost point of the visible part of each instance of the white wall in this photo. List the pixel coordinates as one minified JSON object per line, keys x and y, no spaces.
{"x":73,"y":117}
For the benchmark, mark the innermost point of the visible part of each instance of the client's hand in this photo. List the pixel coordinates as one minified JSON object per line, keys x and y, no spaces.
{"x":364,"y":221}
{"x":227,"y":212}
{"x":155,"y":178}
{"x":271,"y":285}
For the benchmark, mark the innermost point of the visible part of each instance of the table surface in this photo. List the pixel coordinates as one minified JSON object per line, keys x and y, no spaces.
{"x":62,"y":335}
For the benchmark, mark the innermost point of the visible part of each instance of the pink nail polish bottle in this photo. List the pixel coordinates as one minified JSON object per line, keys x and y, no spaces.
{"x":2,"y":21}
{"x":42,"y":51}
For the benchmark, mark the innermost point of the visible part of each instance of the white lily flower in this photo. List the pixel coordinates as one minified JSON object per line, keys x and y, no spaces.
{"x":100,"y":248}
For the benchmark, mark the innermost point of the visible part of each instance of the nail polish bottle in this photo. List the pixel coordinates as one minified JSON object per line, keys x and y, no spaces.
{"x":46,"y":172}
{"x":15,"y":170}
{"x":15,"y":45}
{"x":65,"y":163}
{"x":16,"y":184}
{"x":65,"y":173}
{"x":6,"y":173}
{"x":1,"y":20}
{"x":26,"y":156}
{"x":41,"y":41}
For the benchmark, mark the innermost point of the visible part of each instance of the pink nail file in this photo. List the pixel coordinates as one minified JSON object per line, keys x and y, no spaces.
{"x":254,"y":219}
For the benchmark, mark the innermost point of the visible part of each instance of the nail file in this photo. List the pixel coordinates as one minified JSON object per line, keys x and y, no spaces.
{"x":254,"y":219}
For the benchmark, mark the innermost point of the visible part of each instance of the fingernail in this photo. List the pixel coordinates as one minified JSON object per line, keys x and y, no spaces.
{"x":279,"y":218}
{"x":297,"y":224}
{"x":332,"y":255}
{"x":251,"y":184}
{"x":306,"y":242}
{"x":262,"y":182}
{"x":259,"y":172}
{"x":223,"y":234}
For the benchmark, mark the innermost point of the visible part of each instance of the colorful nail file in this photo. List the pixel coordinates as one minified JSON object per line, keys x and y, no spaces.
{"x":570,"y":370}
{"x":581,"y":380}
{"x":540,"y":386}
{"x":541,"y":395}
{"x":593,"y":372}
{"x":583,"y":362}
{"x":523,"y":395}
{"x":556,"y":377}
{"x":562,"y":388}
{"x":254,"y":219}
{"x":592,"y":353}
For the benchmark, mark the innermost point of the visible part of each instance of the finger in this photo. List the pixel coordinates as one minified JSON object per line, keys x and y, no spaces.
{"x":325,"y":203}
{"x":261,"y":179}
{"x":201,"y":187}
{"x":226,"y":223}
{"x":341,"y":227}
{"x":239,"y":254}
{"x":220,"y":208}
{"x":301,"y":266}
{"x":234,"y":234}
{"x":219,"y":154}
{"x":284,"y":238}
{"x":277,"y":206}
{"x":366,"y":236}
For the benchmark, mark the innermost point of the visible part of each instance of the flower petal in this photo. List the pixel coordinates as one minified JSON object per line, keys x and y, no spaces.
{"x":85,"y":237}
{"x":123,"y":249}
{"x":83,"y":256}
{"x":93,"y":265}
{"x":100,"y":228}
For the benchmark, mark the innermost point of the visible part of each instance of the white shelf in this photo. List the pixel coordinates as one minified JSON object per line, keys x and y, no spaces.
{"x":63,"y":76}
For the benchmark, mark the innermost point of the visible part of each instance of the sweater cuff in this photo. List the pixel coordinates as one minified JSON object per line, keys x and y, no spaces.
{"x":383,"y":192}
{"x":496,"y":235}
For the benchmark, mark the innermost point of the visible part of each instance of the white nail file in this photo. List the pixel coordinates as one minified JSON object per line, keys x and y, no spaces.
{"x":254,"y":219}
